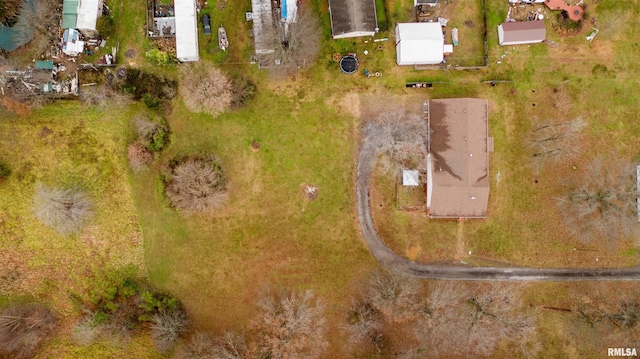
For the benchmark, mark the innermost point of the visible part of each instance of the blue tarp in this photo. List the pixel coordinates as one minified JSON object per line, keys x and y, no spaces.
{"x":284,"y":9}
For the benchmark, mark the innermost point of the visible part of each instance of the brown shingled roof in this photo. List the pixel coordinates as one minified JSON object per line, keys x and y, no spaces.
{"x":523,"y":31}
{"x":458,"y":146}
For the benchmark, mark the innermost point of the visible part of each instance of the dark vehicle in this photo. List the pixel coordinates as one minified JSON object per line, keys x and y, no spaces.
{"x":206,"y":24}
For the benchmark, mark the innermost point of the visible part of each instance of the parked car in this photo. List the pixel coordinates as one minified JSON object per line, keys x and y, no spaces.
{"x":206,"y":24}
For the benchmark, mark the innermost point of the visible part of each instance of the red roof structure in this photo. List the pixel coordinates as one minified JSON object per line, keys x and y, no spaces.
{"x":575,"y":12}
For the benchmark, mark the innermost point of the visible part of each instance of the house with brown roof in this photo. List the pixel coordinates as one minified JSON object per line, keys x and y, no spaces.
{"x":523,"y":32}
{"x":458,"y":159}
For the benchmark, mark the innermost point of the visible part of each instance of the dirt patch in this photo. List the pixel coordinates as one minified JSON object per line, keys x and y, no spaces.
{"x":15,"y":274}
{"x":309,"y":191}
{"x":351,"y":104}
{"x":414,"y":252}
{"x":130,"y":53}
{"x":46,"y":131}
{"x":255,"y":146}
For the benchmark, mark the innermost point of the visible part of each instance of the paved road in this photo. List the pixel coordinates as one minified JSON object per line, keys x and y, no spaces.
{"x":390,"y":259}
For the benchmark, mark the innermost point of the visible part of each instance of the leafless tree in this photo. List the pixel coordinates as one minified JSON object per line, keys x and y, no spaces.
{"x":364,"y":322}
{"x":562,"y":101}
{"x":139,"y":156}
{"x":290,"y":325}
{"x":394,"y":294}
{"x":145,"y":127}
{"x":460,"y":320}
{"x":201,"y":345}
{"x":443,"y":326}
{"x":197,"y":183}
{"x":66,"y":210}
{"x":400,"y":135}
{"x":231,"y":346}
{"x":605,"y":314}
{"x":167,"y":326}
{"x":94,"y":95}
{"x":297,"y":43}
{"x":36,"y":16}
{"x":556,"y":142}
{"x":604,"y":204}
{"x":87,"y":329}
{"x":23,"y":328}
{"x":204,"y":88}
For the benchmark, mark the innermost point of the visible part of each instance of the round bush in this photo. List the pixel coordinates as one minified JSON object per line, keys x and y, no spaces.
{"x":196,"y":183}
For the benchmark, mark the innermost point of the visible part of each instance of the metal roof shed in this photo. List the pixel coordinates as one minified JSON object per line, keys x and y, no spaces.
{"x":410,"y":178}
{"x":186,"y":30}
{"x":88,"y":13}
{"x":69,"y":14}
{"x":523,"y":32}
{"x":43,"y":65}
{"x":419,"y":43}
{"x":353,"y":18}
{"x":262,"y":26}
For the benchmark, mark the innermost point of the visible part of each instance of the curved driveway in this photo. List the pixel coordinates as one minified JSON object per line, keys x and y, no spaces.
{"x":366,"y":162}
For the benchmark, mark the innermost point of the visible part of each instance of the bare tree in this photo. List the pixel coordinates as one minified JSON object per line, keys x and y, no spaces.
{"x":94,"y":95}
{"x":23,"y":328}
{"x":364,"y":322}
{"x":167,"y":326}
{"x":400,"y":135}
{"x":393,"y":294}
{"x":201,"y":345}
{"x":139,"y":156}
{"x":556,"y":142}
{"x":66,"y":210}
{"x":205,"y":88}
{"x":87,"y":329}
{"x":604,"y":204}
{"x":297,"y":43}
{"x":290,"y":325}
{"x":145,"y":127}
{"x":472,"y":321}
{"x":605,"y":315}
{"x":231,"y":346}
{"x":36,"y":17}
{"x":197,"y":183}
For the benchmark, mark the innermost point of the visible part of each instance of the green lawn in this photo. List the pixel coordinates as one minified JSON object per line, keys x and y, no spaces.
{"x":267,"y":234}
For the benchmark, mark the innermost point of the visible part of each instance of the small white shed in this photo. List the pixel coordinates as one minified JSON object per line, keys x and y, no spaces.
{"x":419,"y":43}
{"x":410,"y":178}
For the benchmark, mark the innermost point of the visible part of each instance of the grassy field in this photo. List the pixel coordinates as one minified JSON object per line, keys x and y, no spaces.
{"x":67,"y":145}
{"x":268,"y":235}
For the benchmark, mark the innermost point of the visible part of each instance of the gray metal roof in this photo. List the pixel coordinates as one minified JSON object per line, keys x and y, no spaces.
{"x":351,"y":18}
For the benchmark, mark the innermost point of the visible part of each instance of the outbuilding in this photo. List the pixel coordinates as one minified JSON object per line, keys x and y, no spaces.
{"x":353,"y":18}
{"x":186,"y":30}
{"x":410,"y":178}
{"x":82,"y":15}
{"x":523,"y":32}
{"x":419,"y":43}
